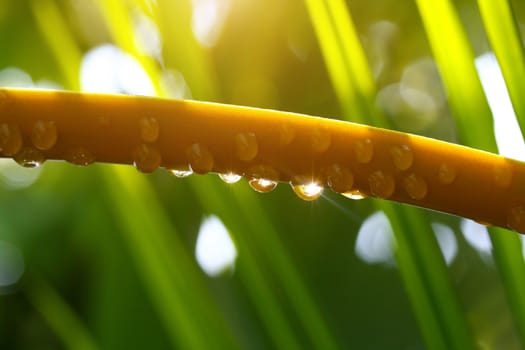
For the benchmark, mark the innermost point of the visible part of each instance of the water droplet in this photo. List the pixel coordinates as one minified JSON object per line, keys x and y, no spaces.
{"x":149,"y":129}
{"x":230,"y":178}
{"x":80,"y":156}
{"x":29,"y":157}
{"x":146,"y":158}
{"x":446,"y":174}
{"x":381,"y":185}
{"x":516,"y":219}
{"x":262,"y":185}
{"x":502,"y":175}
{"x":44,"y":134}
{"x":262,"y":178}
{"x":338,"y":178}
{"x":320,"y":140}
{"x":402,"y":157}
{"x":364,"y":150}
{"x":10,"y":139}
{"x":286,"y":134}
{"x":200,"y":159}
{"x":179,"y":172}
{"x":415,"y":186}
{"x":309,"y":191}
{"x":246,"y":146}
{"x":354,"y":194}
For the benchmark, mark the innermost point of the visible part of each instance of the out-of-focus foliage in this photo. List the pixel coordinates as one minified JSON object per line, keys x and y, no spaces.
{"x":105,"y":257}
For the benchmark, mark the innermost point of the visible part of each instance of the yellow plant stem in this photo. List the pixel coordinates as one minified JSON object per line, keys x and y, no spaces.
{"x":258,"y":144}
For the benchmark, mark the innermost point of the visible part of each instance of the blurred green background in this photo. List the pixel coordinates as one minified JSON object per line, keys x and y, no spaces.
{"x":104,"y":257}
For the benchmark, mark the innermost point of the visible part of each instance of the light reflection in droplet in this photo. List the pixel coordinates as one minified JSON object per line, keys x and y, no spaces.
{"x":375,"y":240}
{"x":215,"y":251}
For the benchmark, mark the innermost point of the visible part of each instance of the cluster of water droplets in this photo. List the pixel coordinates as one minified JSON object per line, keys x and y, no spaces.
{"x":339,"y":177}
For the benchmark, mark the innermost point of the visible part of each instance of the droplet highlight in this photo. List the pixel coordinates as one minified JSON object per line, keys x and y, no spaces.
{"x":10,"y":139}
{"x":149,"y":129}
{"x":309,"y":191}
{"x":446,"y":174}
{"x":181,"y":172}
{"x":339,"y":178}
{"x":402,"y":156}
{"x":320,"y":140}
{"x":146,"y":158}
{"x":381,"y":185}
{"x":262,"y":185}
{"x":200,"y":159}
{"x":29,"y":157}
{"x":80,"y":156}
{"x":286,"y":134}
{"x":354,"y":194}
{"x":502,"y":175}
{"x":516,"y":219}
{"x":415,"y":186}
{"x":262,"y":178}
{"x":230,"y":178}
{"x":364,"y":150}
{"x":246,"y":146}
{"x":44,"y":134}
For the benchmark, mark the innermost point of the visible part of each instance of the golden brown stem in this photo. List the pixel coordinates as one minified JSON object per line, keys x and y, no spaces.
{"x":262,"y":144}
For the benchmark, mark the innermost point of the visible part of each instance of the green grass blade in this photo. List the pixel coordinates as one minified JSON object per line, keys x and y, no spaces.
{"x":455,"y":61}
{"x":504,"y":37}
{"x":243,"y":203}
{"x":432,"y":297}
{"x":170,"y":275}
{"x":475,"y":127}
{"x":60,"y":317}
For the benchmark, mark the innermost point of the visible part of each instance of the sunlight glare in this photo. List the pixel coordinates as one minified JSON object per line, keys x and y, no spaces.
{"x":208,"y":19}
{"x":375,"y":240}
{"x":446,"y":241}
{"x":477,"y":236}
{"x":215,"y":250}
{"x":108,"y":69}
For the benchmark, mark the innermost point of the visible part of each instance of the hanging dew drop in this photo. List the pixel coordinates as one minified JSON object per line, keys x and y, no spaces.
{"x":10,"y":139}
{"x":29,"y":157}
{"x":200,"y":159}
{"x":230,"y":178}
{"x":246,"y":146}
{"x":146,"y":158}
{"x":339,"y":178}
{"x":181,"y":172}
{"x":309,"y":191}
{"x":262,"y":185}
{"x":44,"y":134}
{"x":354,"y":194}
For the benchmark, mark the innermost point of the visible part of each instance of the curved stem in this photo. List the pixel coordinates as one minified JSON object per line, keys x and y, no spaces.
{"x":262,"y":144}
